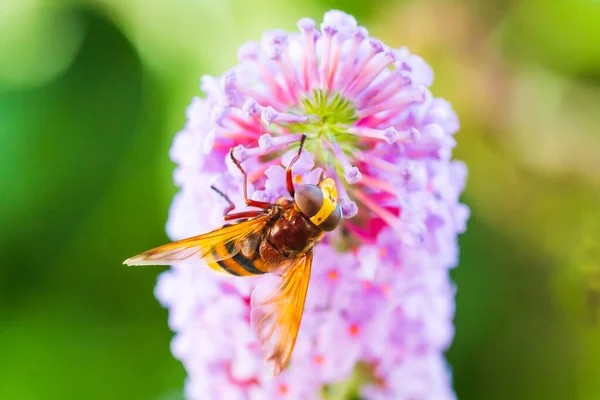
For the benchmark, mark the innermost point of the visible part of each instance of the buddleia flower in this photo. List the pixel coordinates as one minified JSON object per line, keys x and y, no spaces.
{"x":380,"y":303}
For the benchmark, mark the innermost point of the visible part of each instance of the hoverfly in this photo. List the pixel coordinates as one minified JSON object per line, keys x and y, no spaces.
{"x":278,"y":238}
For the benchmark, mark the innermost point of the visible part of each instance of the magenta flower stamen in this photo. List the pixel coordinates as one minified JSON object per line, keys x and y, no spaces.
{"x":368,"y":75}
{"x":390,"y":135}
{"x":281,"y":96}
{"x":242,"y":153}
{"x":268,"y":142}
{"x":351,"y":173}
{"x":239,"y":135}
{"x":274,"y":42}
{"x":374,"y":160}
{"x":409,"y":173}
{"x":278,"y":47}
{"x":381,"y":212}
{"x":309,"y":65}
{"x":376,"y":47}
{"x":241,"y":122}
{"x":251,"y":108}
{"x":228,"y":86}
{"x":259,"y":172}
{"x":334,"y":60}
{"x":360,"y":35}
{"x":435,"y":134}
{"x":256,"y":97}
{"x":349,"y":207}
{"x":396,"y":104}
{"x":248,"y":51}
{"x":329,"y":32}
{"x":235,"y":121}
{"x":375,"y":183}
{"x":384,"y":89}
{"x":290,"y":73}
{"x":379,"y":295}
{"x":270,"y":116}
{"x":219,"y":115}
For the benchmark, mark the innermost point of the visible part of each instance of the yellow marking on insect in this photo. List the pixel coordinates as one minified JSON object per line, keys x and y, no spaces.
{"x":329,"y":190}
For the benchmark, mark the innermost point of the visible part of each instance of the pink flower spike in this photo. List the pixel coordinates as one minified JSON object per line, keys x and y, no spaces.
{"x":379,"y":295}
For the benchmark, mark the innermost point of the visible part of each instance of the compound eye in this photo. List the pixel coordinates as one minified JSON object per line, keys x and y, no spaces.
{"x":333,"y":220}
{"x":309,"y":199}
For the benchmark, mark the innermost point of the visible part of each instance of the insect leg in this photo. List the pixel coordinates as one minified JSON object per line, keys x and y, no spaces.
{"x":230,"y":207}
{"x":250,"y":202}
{"x":243,"y":214}
{"x":288,"y":170}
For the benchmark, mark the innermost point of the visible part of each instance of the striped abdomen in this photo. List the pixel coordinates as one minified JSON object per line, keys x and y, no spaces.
{"x":287,"y":236}
{"x":244,"y":262}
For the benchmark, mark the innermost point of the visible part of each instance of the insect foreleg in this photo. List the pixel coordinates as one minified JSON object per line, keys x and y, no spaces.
{"x":250,"y":202}
{"x":243,"y":214}
{"x":230,"y":207}
{"x":288,"y":170}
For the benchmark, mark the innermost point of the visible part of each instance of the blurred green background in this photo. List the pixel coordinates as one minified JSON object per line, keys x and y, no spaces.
{"x":92,"y":92}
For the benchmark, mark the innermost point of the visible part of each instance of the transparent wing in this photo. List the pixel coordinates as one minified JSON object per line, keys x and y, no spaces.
{"x":276,"y":318}
{"x":220,"y":244}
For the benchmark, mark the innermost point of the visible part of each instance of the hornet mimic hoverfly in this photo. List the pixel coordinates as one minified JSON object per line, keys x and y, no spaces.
{"x":278,"y":238}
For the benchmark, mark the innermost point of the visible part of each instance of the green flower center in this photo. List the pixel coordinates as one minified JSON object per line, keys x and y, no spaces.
{"x":332,"y":115}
